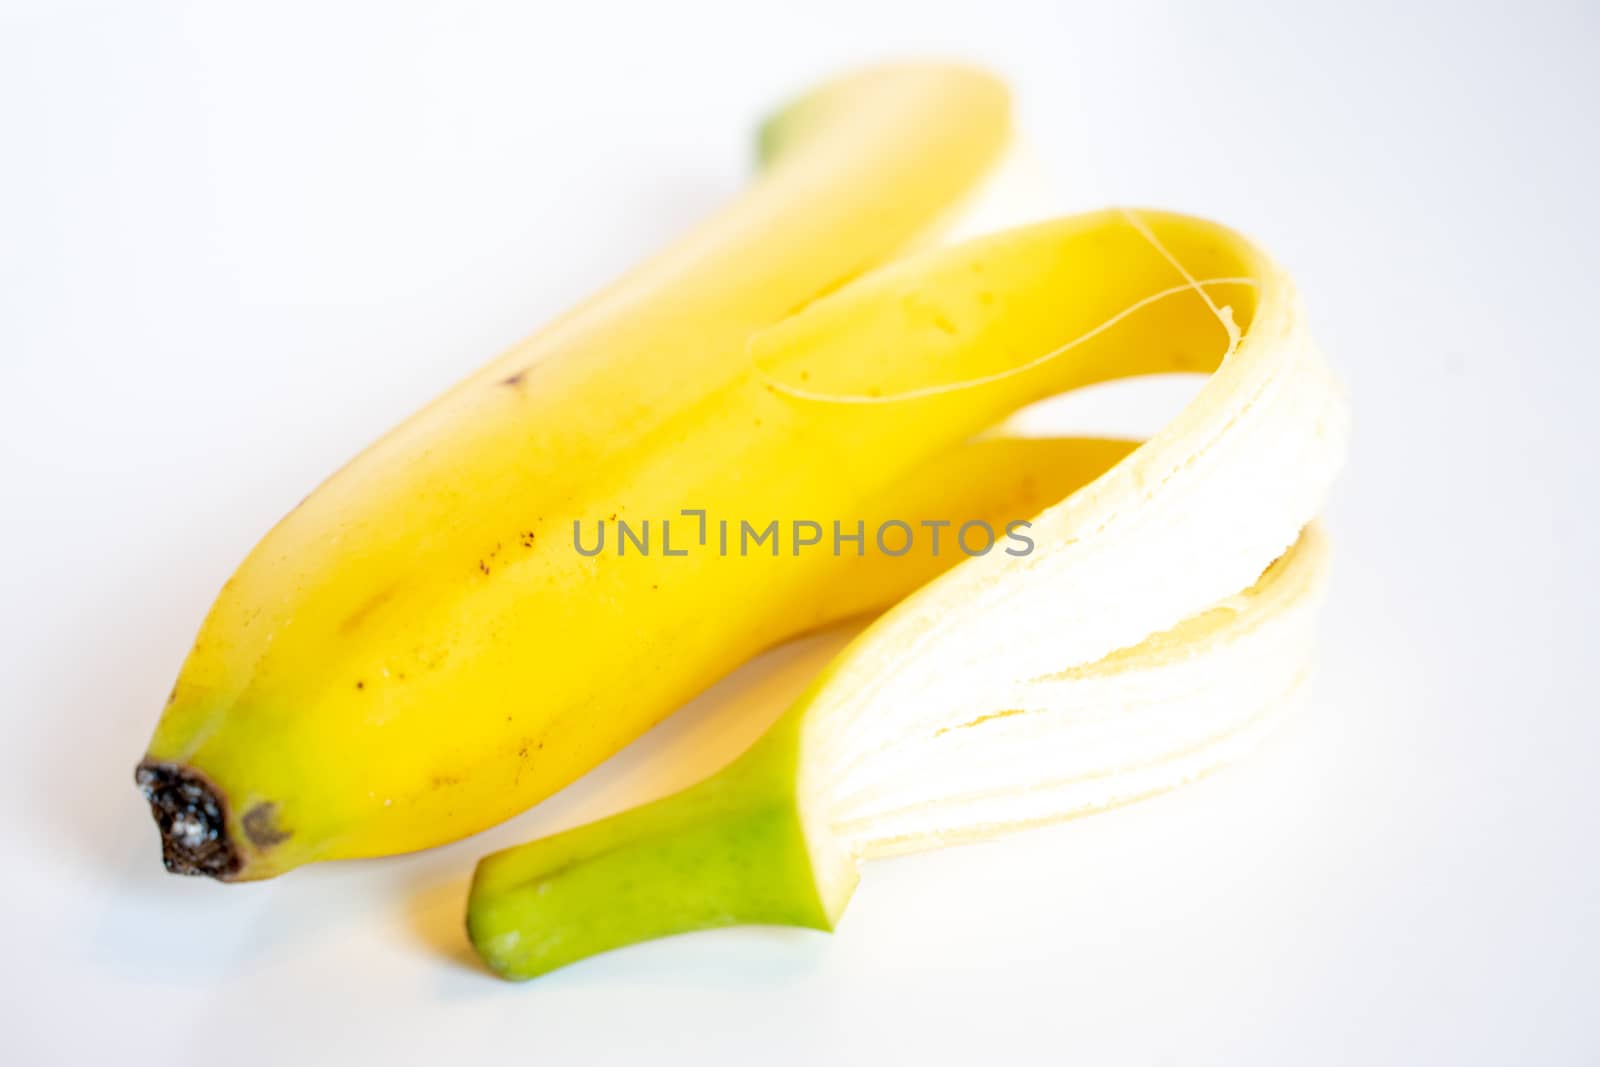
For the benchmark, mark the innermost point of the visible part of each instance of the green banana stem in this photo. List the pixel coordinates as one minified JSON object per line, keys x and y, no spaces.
{"x":729,"y":851}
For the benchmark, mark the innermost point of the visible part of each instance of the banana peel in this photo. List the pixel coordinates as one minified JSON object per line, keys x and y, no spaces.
{"x":418,"y":651}
{"x":1165,"y":618}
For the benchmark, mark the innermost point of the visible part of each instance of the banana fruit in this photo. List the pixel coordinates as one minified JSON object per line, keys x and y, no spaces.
{"x":1166,"y":615}
{"x":432,"y":641}
{"x":419,"y":650}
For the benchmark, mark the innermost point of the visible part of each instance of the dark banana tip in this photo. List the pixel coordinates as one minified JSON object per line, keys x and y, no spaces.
{"x":192,"y":817}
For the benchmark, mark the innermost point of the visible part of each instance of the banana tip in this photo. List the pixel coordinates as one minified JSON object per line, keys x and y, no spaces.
{"x":192,"y":818}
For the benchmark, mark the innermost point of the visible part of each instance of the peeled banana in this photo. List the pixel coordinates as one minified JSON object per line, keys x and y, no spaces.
{"x":1166,"y":614}
{"x":441,"y":635}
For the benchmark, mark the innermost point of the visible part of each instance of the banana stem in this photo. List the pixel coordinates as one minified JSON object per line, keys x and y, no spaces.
{"x":729,"y":851}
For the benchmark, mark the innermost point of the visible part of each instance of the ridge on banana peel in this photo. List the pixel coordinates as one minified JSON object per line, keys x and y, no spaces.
{"x":1164,"y":618}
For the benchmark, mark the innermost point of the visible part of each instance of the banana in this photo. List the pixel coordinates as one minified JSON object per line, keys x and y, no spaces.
{"x":1165,"y":617}
{"x":419,"y":650}
{"x":424,"y":647}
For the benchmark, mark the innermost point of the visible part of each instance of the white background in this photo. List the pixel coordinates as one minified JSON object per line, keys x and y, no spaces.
{"x":236,"y":243}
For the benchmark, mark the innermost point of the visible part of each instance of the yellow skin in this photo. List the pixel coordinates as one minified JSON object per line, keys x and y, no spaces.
{"x":417,"y":651}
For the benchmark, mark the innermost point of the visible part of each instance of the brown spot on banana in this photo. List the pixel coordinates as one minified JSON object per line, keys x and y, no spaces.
{"x":261,"y":826}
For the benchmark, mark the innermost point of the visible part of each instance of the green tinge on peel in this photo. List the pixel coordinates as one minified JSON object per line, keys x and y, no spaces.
{"x":782,"y":130}
{"x":774,"y":839}
{"x":732,"y":850}
{"x":777,"y":131}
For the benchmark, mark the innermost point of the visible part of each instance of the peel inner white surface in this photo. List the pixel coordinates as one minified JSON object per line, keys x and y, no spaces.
{"x":1163,"y":619}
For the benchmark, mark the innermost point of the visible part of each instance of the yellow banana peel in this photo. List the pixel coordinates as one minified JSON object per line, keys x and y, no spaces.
{"x":426,"y":646}
{"x":1166,"y":614}
{"x":417,"y":651}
